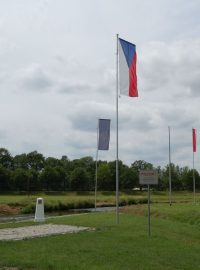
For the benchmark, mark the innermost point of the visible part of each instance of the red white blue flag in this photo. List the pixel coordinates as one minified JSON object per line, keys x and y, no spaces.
{"x":127,"y":68}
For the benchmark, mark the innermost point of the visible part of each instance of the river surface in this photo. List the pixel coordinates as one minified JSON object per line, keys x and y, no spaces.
{"x":18,"y":218}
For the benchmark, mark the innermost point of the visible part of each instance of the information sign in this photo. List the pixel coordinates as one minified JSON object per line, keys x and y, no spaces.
{"x":148,"y":177}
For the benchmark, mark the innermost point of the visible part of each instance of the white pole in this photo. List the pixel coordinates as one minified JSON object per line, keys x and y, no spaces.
{"x":170,"y":177}
{"x":96,"y":167}
{"x":194,"y":184}
{"x":149,"y":219}
{"x":117,"y":171}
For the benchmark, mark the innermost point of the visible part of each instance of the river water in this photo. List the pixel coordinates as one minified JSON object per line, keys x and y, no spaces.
{"x":18,"y":218}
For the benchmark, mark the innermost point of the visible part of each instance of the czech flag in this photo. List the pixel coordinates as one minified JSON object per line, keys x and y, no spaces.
{"x":127,"y":68}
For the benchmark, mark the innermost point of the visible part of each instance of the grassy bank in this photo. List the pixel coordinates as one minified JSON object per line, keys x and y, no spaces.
{"x":79,"y":200}
{"x":174,"y":243}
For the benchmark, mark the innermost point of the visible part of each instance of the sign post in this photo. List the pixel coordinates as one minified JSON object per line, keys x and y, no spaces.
{"x":148,"y":177}
{"x":149,"y":221}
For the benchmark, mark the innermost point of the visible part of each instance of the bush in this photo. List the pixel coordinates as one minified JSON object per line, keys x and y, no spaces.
{"x":29,"y":209}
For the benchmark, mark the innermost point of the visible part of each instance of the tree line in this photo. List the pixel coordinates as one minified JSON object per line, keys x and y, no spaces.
{"x":33,"y":172}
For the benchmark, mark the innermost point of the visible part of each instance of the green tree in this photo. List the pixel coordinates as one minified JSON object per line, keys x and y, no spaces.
{"x":66,"y":165}
{"x":6,"y":160}
{"x":63,"y":179}
{"x":187,"y":179}
{"x":53,"y":162}
{"x":32,"y":164}
{"x":51,"y":178}
{"x":128,"y":178}
{"x":104,"y":175}
{"x":177,"y":184}
{"x":163,"y":181}
{"x":33,"y":181}
{"x":20,"y":161}
{"x":89,"y":164}
{"x":112,"y":167}
{"x":21,"y":179}
{"x":5,"y":179}
{"x":35,"y":161}
{"x":80,"y":179}
{"x":140,"y":165}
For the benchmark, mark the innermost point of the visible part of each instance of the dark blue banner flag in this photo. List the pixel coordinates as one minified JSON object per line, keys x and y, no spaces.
{"x":104,"y":134}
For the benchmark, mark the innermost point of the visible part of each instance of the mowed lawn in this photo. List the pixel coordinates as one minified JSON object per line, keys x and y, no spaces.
{"x":174,"y":244}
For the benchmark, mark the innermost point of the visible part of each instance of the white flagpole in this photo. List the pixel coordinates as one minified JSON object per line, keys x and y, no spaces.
{"x":170,"y":177}
{"x":117,"y":171}
{"x":96,"y":167}
{"x":194,"y":184}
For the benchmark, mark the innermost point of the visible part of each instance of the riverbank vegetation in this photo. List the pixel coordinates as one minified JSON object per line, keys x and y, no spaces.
{"x":12,"y":204}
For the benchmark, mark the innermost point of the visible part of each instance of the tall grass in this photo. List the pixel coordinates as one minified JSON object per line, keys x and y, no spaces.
{"x":79,"y":200}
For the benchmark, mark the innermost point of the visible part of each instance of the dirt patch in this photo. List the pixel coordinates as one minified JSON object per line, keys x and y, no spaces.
{"x":138,"y":209}
{"x":39,"y":231}
{"x":9,"y":210}
{"x":9,"y":268}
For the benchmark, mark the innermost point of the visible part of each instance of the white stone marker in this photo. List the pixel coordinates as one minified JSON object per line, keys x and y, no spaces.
{"x":39,"y":210}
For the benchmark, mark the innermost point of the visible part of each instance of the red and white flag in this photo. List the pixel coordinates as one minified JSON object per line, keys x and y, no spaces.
{"x":194,"y":141}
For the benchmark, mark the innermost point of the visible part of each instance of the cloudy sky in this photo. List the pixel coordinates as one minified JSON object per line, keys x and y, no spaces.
{"x":57,"y":77}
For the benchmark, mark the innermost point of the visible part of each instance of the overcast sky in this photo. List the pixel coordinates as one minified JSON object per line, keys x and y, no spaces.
{"x":57,"y":77}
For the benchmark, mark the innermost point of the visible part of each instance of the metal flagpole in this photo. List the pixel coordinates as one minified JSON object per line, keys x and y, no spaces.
{"x":117,"y":171}
{"x":149,"y":221}
{"x":96,"y":167}
{"x":170,"y":177}
{"x":194,"y":184}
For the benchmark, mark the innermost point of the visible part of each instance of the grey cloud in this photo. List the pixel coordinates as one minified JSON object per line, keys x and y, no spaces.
{"x":178,"y":116}
{"x":95,"y":89}
{"x":76,"y":141}
{"x":193,"y":83}
{"x":34,"y":79}
{"x":75,"y":89}
{"x":3,"y":134}
{"x":84,"y":116}
{"x":171,"y":65}
{"x":131,"y":119}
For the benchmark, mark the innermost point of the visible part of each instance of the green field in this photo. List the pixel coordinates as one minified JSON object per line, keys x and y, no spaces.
{"x":174,"y":243}
{"x":73,"y":200}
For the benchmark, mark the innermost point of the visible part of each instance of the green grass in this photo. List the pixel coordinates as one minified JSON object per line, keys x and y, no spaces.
{"x":74,"y":200}
{"x":174,"y":244}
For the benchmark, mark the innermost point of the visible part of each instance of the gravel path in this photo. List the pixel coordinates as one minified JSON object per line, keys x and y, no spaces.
{"x":38,"y":231}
